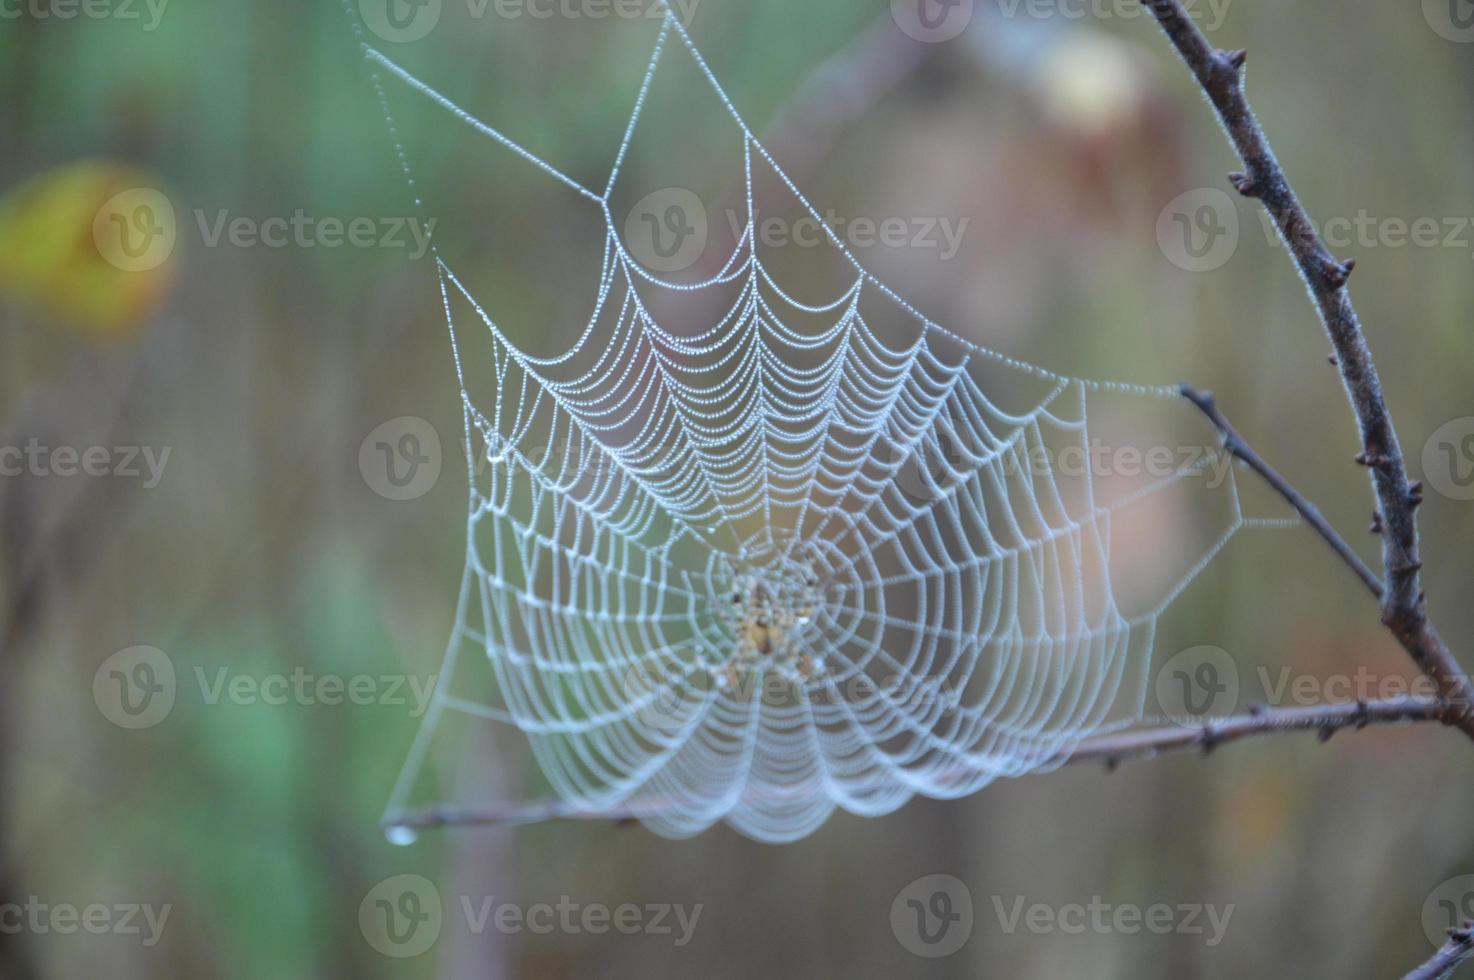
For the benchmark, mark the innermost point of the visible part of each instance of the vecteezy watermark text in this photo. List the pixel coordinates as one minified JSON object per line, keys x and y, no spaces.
{"x":404,"y":915}
{"x":151,"y":12}
{"x":302,"y":230}
{"x":935,"y":21}
{"x":1121,"y":918}
{"x":40,"y":918}
{"x":125,"y":462}
{"x":138,"y":687}
{"x":403,"y":21}
{"x":938,"y":234}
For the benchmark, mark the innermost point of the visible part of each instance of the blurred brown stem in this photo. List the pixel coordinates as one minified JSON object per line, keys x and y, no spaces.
{"x":1220,"y":74}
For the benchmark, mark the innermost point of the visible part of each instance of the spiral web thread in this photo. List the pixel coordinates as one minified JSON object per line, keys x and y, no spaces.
{"x":719,"y":600}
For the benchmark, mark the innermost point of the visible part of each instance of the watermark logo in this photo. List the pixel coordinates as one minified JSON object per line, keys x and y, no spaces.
{"x":38,"y":459}
{"x":135,"y":688}
{"x":135,"y":230}
{"x":138,"y":688}
{"x":1198,"y":230}
{"x":400,"y":459}
{"x":666,"y":231}
{"x":305,"y":231}
{"x":932,"y":21}
{"x":571,"y":918}
{"x":42,"y":918}
{"x":1452,"y":20}
{"x":1200,"y":682}
{"x":938,"y":234}
{"x":934,"y":469}
{"x":401,"y":916}
{"x":1209,"y":14}
{"x":400,"y":21}
{"x":151,"y":12}
{"x":935,"y":466}
{"x":1449,"y":906}
{"x":932,"y":916}
{"x":656,"y":693}
{"x":1448,"y":459}
{"x":404,"y":916}
{"x":1106,"y":918}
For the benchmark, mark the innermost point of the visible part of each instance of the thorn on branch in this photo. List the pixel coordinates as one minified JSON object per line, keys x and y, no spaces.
{"x":1415,"y":494}
{"x":1244,"y":184}
{"x":1333,"y":360}
{"x":1376,"y":527}
{"x":1233,"y":60}
{"x":1338,"y":272}
{"x":1373,"y":460}
{"x":1211,"y":738}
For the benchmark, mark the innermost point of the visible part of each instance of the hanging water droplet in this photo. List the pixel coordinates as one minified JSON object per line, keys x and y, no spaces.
{"x":401,"y":836}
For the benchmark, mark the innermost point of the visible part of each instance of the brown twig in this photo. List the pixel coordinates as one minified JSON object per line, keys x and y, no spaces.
{"x":1237,"y":447}
{"x":1460,"y":947}
{"x":1220,"y":74}
{"x":1324,"y":719}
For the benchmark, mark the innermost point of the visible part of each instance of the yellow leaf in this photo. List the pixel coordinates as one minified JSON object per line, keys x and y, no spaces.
{"x":92,"y":242}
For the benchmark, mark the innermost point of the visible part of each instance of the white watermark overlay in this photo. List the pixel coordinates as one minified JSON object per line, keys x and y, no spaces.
{"x":1449,"y":906}
{"x":305,"y":231}
{"x":149,"y":13}
{"x":1206,"y":681}
{"x":37,"y":917}
{"x":1200,"y":230}
{"x":932,"y":917}
{"x":941,"y":235}
{"x":668,"y":230}
{"x":1100,"y":917}
{"x":935,"y":21}
{"x":1452,"y":20}
{"x":405,"y":915}
{"x":1448,"y":459}
{"x":38,"y":459}
{"x":400,"y":459}
{"x":138,"y":688}
{"x":137,"y":230}
{"x":404,"y":21}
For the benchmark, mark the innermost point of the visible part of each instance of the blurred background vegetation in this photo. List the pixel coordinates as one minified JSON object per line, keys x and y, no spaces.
{"x":263,"y":551}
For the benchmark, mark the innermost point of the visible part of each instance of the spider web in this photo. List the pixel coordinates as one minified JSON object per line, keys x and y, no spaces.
{"x":776,"y":561}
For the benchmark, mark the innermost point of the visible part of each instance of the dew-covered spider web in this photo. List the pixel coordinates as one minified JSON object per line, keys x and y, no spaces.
{"x":771,"y":558}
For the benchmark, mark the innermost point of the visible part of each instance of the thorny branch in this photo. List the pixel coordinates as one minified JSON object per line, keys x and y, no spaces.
{"x":1220,"y":73}
{"x":1326,"y":720}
